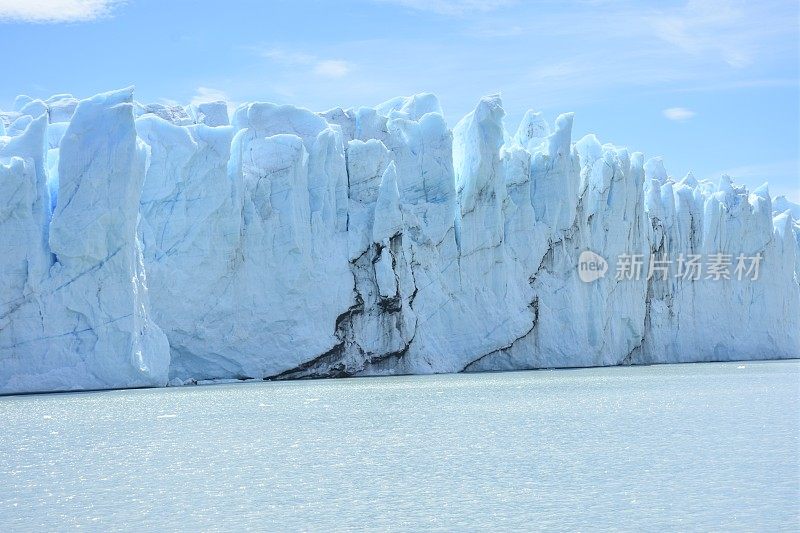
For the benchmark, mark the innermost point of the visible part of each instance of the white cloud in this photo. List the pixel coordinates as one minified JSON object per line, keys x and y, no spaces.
{"x":554,"y":57}
{"x":288,"y":57}
{"x":497,"y":31}
{"x":452,"y":7}
{"x":332,"y":68}
{"x":327,"y":68}
{"x":53,"y":11}
{"x":733,"y":30}
{"x":207,"y":94}
{"x":678,"y":113}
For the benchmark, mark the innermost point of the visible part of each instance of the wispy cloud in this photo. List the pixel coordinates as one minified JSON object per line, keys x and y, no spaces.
{"x":494,"y":31}
{"x":763,"y":171}
{"x":753,"y":83}
{"x":678,"y":114}
{"x":332,"y":68}
{"x":326,"y":68}
{"x":452,"y":7}
{"x":207,"y":94}
{"x":731,"y":29}
{"x":553,"y":57}
{"x":289,"y":57}
{"x":55,"y":11}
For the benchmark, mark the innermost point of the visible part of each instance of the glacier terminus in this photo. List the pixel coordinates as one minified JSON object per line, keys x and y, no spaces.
{"x":152,"y":245}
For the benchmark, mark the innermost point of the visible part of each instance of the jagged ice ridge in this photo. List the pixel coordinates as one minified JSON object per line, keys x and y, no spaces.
{"x":146,"y":245}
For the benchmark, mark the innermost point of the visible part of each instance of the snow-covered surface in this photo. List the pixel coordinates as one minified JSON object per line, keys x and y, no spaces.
{"x":146,"y":244}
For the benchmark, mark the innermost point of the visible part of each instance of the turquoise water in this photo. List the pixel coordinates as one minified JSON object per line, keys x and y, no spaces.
{"x":702,"y":446}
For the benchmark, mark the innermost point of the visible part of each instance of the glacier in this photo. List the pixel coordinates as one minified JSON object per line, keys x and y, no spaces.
{"x":154,"y":244}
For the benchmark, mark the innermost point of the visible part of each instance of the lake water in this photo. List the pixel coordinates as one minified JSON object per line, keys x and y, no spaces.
{"x":701,"y":446}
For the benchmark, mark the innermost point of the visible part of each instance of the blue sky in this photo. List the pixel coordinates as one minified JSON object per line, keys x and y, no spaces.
{"x":712,"y":86}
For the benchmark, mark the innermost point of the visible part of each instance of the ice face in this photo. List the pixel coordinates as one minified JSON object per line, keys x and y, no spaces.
{"x":146,"y":244}
{"x":76,"y":311}
{"x":782,"y":204}
{"x":210,"y":113}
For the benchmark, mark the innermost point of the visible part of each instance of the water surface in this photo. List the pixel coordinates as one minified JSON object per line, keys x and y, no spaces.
{"x":701,"y":446}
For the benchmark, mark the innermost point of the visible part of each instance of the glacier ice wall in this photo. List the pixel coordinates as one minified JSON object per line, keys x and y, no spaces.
{"x":146,"y":244}
{"x":74,"y":311}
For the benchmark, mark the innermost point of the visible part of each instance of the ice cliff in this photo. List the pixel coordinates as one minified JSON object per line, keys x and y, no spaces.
{"x":148,"y":244}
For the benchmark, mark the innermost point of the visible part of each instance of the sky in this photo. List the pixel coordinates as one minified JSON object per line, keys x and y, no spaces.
{"x":711,"y":86}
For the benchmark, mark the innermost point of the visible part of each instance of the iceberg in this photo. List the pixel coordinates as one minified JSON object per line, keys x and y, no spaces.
{"x":154,"y":244}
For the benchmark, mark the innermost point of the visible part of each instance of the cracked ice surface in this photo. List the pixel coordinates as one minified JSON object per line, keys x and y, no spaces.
{"x":146,"y":244}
